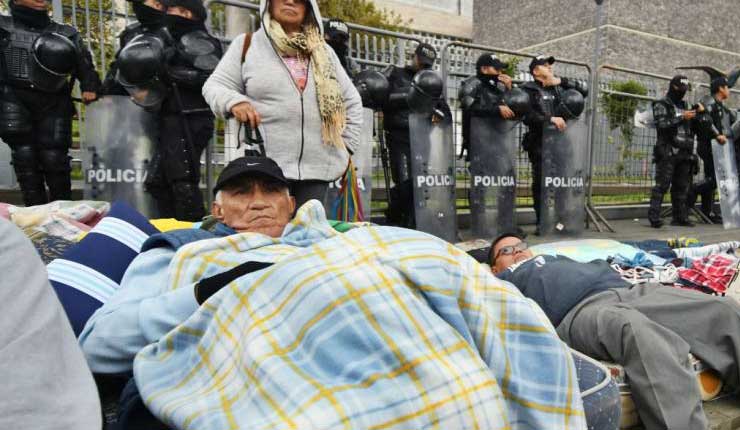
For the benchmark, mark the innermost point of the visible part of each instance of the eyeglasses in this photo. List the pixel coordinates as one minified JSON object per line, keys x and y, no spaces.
{"x":511,"y":249}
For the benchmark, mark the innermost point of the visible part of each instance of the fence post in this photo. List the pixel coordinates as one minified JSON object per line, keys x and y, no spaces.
{"x":57,"y":10}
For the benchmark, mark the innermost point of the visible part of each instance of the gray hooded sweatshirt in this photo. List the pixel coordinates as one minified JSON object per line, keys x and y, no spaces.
{"x":291,"y":122}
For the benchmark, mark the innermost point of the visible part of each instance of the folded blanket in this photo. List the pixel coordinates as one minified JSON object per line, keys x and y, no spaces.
{"x":376,"y":328}
{"x":66,"y":219}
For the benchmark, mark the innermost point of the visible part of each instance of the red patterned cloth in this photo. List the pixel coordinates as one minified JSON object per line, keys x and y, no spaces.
{"x":714,"y":272}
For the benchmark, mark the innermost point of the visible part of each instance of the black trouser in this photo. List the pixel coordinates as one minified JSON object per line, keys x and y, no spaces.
{"x":174,"y":171}
{"x":38,"y":128}
{"x":303,"y":191}
{"x":401,"y":200}
{"x":672,"y":171}
{"x":708,"y":186}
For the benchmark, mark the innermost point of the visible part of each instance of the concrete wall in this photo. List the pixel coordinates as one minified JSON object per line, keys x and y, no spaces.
{"x":652,"y":36}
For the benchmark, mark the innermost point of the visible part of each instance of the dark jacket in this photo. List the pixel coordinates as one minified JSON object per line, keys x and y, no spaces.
{"x":543,"y":103}
{"x":675,"y":134}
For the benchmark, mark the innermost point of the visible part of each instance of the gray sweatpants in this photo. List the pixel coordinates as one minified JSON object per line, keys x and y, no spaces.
{"x":650,"y":330}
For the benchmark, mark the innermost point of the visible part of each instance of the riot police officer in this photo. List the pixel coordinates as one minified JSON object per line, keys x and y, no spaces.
{"x":710,"y":127}
{"x":673,"y":153}
{"x":39,"y":56}
{"x":396,"y":126}
{"x":545,"y":96}
{"x":165,"y":72}
{"x":483,"y":94}
{"x":336,"y":34}
{"x":149,"y":19}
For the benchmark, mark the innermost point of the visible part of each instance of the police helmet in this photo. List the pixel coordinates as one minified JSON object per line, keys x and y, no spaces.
{"x":571,"y":104}
{"x":373,"y":88}
{"x":426,"y":89}
{"x":517,"y":100}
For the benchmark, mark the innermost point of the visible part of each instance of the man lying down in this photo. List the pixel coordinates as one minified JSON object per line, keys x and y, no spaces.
{"x":649,"y":328}
{"x":304,"y":327}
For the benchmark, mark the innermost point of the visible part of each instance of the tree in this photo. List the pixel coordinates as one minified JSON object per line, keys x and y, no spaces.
{"x":363,"y":12}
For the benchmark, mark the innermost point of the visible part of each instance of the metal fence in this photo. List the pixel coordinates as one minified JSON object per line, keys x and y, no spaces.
{"x":621,"y":167}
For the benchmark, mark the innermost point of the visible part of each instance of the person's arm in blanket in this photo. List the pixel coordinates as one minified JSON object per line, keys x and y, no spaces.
{"x":140,"y":313}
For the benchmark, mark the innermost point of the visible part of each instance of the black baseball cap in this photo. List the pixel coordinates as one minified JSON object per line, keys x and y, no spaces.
{"x":539,"y":61}
{"x":426,"y":54}
{"x":717,"y":83}
{"x":680,"y":81}
{"x":489,"y":59}
{"x":336,"y":28}
{"x":250,"y":166}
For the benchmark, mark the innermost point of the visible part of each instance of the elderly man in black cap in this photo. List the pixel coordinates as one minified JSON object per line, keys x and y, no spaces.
{"x":336,"y":34}
{"x":482,"y":95}
{"x":544,"y":96}
{"x":396,"y":123}
{"x":673,"y":153}
{"x":251,"y":196}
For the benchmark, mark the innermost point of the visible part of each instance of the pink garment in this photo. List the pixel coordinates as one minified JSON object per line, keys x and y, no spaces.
{"x":298,"y":68}
{"x":714,"y":272}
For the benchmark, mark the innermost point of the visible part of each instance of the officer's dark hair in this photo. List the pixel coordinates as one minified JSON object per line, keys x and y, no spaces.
{"x":501,"y":237}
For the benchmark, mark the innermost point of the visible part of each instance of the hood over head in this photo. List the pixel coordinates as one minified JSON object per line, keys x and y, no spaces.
{"x":314,"y":7}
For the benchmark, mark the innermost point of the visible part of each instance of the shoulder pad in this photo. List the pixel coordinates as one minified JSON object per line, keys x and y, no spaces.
{"x":198,"y":43}
{"x":388,"y":71}
{"x":469,"y":87}
{"x":64,"y":29}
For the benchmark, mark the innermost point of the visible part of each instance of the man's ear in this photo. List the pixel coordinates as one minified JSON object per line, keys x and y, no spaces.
{"x":292,"y":204}
{"x":217,"y":211}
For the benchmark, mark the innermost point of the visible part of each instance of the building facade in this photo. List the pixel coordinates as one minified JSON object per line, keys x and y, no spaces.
{"x":452,"y":18}
{"x":653,"y":36}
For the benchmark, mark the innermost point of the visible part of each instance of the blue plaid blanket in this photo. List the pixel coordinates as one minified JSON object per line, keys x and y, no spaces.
{"x":375,"y":328}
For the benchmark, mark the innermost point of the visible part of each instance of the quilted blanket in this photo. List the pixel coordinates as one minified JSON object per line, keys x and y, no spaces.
{"x":375,"y":328}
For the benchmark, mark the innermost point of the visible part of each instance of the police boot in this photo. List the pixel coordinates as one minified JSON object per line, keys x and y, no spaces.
{"x":656,"y":204}
{"x":27,"y":169}
{"x":57,"y":173}
{"x":188,"y":201}
{"x":681,"y":214}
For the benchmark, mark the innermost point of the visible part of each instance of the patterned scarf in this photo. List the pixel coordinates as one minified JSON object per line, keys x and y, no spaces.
{"x":309,"y":44}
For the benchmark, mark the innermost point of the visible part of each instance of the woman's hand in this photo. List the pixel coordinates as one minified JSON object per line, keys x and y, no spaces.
{"x":244,"y":112}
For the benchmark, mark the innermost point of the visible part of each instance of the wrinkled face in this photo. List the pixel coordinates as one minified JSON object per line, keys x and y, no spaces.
{"x":255,"y":205}
{"x":154,"y":4}
{"x":180,"y":11}
{"x":289,"y":13}
{"x":490,"y":71}
{"x":501,"y":261}
{"x":542,"y":71}
{"x":33,"y":4}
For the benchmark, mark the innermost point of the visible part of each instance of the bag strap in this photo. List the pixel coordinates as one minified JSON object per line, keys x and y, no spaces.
{"x":245,"y":47}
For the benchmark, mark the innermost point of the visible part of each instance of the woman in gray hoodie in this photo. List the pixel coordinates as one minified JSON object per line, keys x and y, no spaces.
{"x":291,"y":85}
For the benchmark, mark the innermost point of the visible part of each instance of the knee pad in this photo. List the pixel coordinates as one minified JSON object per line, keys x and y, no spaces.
{"x":55,"y":161}
{"x":15,"y":119}
{"x":55,"y":132}
{"x":25,"y":157}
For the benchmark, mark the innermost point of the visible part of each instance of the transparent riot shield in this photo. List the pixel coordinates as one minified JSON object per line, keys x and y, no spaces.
{"x":363,"y":161}
{"x":493,"y":150}
{"x":564,"y":170}
{"x":118,"y":144}
{"x":433,"y":175}
{"x":725,"y":168}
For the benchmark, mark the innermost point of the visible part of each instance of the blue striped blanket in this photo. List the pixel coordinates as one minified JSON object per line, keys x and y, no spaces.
{"x":375,"y":328}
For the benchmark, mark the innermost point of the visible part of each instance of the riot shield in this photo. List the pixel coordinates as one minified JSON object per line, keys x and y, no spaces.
{"x":725,"y":169}
{"x":564,"y":170}
{"x":118,"y":144}
{"x":433,"y":175}
{"x":363,"y":161}
{"x":493,"y":150}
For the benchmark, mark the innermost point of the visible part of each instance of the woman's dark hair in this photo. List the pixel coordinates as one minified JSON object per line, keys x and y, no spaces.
{"x":501,"y":237}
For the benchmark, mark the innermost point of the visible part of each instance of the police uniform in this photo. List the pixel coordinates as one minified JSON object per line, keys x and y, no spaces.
{"x":672,"y":155}
{"x":186,"y":122}
{"x":337,"y":36}
{"x":709,"y":126}
{"x":37,"y":110}
{"x":396,"y":125}
{"x":544,"y":103}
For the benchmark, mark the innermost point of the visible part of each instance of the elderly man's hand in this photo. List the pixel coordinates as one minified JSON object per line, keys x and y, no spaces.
{"x":245,"y":112}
